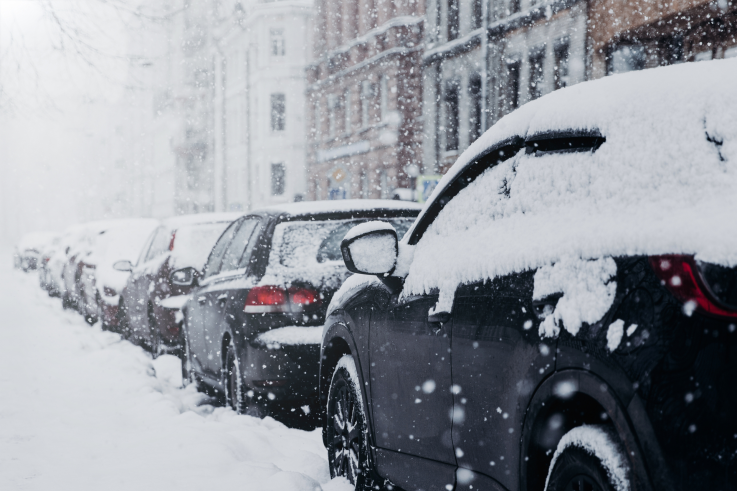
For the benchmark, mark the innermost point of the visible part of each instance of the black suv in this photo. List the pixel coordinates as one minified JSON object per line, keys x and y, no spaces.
{"x":254,"y":324}
{"x":562,"y":314}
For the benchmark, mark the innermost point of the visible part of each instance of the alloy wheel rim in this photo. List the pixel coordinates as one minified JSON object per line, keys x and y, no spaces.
{"x":347,"y":436}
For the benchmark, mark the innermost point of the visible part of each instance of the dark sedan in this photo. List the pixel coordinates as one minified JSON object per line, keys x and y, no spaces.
{"x":254,"y":325}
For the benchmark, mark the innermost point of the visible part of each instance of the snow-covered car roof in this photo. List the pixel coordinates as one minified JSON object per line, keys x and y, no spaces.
{"x":198,"y":218}
{"x":668,"y":111}
{"x":342,"y":205}
{"x":659,"y":177}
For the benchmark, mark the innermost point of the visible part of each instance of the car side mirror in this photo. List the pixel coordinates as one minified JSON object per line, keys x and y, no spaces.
{"x":370,"y":248}
{"x":184,"y":277}
{"x":123,"y":265}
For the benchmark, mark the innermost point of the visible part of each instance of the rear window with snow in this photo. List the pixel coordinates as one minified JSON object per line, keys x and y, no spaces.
{"x":309,"y":251}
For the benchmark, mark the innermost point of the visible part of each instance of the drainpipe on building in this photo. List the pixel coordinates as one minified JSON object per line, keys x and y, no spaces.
{"x":484,"y":64}
{"x":249,"y":188}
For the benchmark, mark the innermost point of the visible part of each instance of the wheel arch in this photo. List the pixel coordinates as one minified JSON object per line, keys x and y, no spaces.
{"x":337,"y":342}
{"x":590,"y":400}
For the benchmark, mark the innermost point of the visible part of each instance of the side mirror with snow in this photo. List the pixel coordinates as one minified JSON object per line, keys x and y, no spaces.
{"x":370,"y":248}
{"x":184,"y":277}
{"x":123,"y":265}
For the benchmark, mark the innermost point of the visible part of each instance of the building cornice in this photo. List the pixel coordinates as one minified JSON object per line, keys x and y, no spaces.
{"x":399,"y":50}
{"x":522,"y":19}
{"x":455,"y":47}
{"x":497,"y":28}
{"x":403,"y":21}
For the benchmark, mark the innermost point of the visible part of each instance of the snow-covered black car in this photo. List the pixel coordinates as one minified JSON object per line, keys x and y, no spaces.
{"x":148,"y":303}
{"x":562,"y":314}
{"x":253,"y":326}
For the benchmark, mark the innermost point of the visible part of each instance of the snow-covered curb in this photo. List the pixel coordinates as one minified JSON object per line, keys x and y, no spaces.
{"x":597,"y":441}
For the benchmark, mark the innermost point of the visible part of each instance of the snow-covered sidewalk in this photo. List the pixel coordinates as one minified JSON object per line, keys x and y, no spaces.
{"x":81,"y":409}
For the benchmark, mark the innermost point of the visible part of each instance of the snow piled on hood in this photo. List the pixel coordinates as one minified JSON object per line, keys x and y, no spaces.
{"x":665,"y":181}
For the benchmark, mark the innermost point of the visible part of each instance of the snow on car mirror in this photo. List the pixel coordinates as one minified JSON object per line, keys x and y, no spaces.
{"x":184,"y":277}
{"x":123,"y":265}
{"x":370,"y":248}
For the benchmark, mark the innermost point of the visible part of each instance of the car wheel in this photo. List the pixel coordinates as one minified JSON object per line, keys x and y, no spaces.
{"x":588,"y":459}
{"x":154,"y":335}
{"x":346,"y":425}
{"x":85,"y":308}
{"x":101,"y":313}
{"x":188,"y":376}
{"x":237,"y":394}
{"x":122,"y":320}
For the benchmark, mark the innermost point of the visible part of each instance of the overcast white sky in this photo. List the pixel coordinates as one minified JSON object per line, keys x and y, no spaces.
{"x":59,"y":81}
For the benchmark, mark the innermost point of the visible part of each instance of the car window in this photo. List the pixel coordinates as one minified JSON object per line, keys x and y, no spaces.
{"x":160,"y":244}
{"x":146,"y":247}
{"x":329,"y":249}
{"x":248,"y":253}
{"x":216,"y":256}
{"x":193,"y":243}
{"x":234,"y":252}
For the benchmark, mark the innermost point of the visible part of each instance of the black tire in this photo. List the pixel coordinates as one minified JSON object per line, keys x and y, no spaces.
{"x":101,"y":313}
{"x":577,"y":470}
{"x":122,"y":320}
{"x":346,"y":427}
{"x":188,"y":376}
{"x":238,"y":395}
{"x":153,"y":331}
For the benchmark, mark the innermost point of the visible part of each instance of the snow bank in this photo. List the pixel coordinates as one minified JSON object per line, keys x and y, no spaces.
{"x":93,"y":412}
{"x":665,"y":181}
{"x":596,"y":440}
{"x":290,"y":336}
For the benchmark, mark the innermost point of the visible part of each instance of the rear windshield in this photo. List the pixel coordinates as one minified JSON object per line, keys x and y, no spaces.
{"x":192,"y":243}
{"x":309,"y":252}
{"x":310,"y":242}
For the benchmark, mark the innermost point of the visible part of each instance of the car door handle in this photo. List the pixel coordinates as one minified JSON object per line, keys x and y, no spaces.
{"x":222,"y":297}
{"x":201,"y":300}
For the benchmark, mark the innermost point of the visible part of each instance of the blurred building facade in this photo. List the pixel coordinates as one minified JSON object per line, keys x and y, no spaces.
{"x":364,"y":98}
{"x":259,"y":54}
{"x":483,"y":59}
{"x":243,"y":117}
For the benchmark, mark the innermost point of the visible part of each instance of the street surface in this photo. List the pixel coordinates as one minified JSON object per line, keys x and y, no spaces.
{"x":81,"y":409}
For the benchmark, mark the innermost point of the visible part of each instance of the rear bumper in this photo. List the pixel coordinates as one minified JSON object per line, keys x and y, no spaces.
{"x":287,"y":375}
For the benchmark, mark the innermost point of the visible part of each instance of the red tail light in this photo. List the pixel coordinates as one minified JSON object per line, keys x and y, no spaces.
{"x":303,"y":296}
{"x":681,"y":276}
{"x":266,"y":299}
{"x":171,"y":242}
{"x":271,"y":299}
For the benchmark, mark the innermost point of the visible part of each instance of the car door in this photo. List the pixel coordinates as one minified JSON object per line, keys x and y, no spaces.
{"x":498,"y":361}
{"x":411,"y":399}
{"x":221,"y":292}
{"x":199,"y":311}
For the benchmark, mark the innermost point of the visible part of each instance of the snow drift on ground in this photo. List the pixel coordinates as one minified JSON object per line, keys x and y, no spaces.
{"x":665,"y":181}
{"x":82,"y":409}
